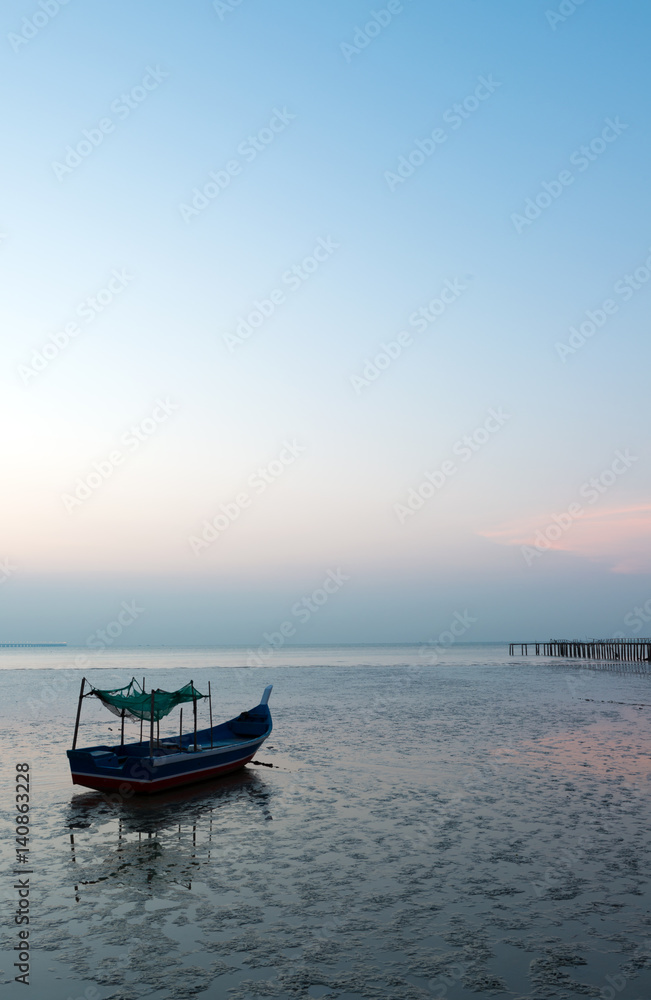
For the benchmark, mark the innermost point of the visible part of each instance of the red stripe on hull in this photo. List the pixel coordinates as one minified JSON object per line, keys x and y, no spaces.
{"x":159,"y":784}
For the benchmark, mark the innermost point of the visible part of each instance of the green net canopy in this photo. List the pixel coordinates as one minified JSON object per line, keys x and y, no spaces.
{"x":136,"y":703}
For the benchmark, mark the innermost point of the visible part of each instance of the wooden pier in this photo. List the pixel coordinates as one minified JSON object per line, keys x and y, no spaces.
{"x":17,"y":645}
{"x":614,"y":650}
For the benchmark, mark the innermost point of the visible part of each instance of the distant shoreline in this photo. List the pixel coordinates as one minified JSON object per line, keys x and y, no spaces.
{"x":239,"y":645}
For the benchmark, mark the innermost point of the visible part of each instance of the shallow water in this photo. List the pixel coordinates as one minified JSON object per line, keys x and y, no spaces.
{"x":433,"y":826}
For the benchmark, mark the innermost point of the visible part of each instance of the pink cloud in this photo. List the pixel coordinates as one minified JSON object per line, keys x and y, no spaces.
{"x":620,"y":536}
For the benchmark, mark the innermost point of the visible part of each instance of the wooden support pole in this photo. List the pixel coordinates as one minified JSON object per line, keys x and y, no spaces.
{"x":181,"y":729}
{"x":81,"y":695}
{"x":143,"y":691}
{"x":151,"y":726}
{"x":210,"y":710}
{"x":194,"y":709}
{"x":122,"y":730}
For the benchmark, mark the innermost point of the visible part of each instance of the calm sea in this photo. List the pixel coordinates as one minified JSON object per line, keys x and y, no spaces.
{"x":436,"y":823}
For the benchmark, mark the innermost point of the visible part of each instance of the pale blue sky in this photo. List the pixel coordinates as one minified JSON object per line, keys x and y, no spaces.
{"x":322,"y":177}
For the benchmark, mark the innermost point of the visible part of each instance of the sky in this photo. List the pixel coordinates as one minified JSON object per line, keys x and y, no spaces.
{"x":308,"y":293}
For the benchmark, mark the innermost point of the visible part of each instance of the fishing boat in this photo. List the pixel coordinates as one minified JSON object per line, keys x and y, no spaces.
{"x":156,"y":764}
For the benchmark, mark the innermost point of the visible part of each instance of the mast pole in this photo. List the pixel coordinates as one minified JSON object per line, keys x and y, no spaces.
{"x":181,"y":731}
{"x":143,"y":691}
{"x":210,"y":709}
{"x":151,"y":726}
{"x":194,"y":709}
{"x":122,"y":730}
{"x":81,"y":695}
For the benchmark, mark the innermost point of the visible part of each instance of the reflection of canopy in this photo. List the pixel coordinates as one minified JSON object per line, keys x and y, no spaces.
{"x":135,"y":702}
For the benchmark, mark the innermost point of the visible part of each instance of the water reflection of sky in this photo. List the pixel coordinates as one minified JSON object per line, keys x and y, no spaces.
{"x":145,"y":843}
{"x":614,"y":744}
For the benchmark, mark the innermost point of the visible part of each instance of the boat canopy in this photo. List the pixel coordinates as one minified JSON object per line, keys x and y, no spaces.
{"x":136,"y":703}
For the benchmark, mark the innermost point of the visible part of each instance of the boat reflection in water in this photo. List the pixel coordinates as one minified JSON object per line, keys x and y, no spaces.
{"x":147,"y":844}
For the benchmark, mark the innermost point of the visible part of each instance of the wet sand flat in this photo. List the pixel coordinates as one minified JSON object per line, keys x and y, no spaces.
{"x":475,"y":827}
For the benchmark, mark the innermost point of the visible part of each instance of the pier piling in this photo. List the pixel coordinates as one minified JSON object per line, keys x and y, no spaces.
{"x":612,"y":650}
